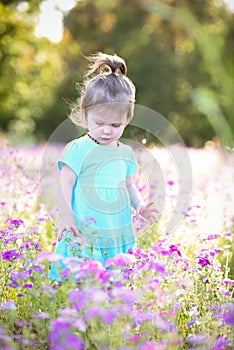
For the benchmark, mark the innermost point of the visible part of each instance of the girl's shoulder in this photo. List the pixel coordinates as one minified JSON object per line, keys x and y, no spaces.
{"x":75,"y":146}
{"x":77,"y":143}
{"x":126,"y":148}
{"x":73,"y":151}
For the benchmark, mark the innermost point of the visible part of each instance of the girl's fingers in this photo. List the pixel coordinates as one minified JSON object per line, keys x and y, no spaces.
{"x":76,"y":232}
{"x":60,"y":235}
{"x":68,"y":228}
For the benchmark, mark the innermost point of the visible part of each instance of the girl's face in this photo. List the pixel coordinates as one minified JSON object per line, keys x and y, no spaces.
{"x":106,"y":132}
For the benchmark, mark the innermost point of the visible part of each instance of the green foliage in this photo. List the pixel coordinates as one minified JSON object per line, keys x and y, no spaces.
{"x":171,"y":52}
{"x":30,"y":69}
{"x":179,"y":55}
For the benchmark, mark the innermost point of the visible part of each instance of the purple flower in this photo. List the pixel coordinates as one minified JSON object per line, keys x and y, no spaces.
{"x":47,"y":256}
{"x":139,"y":253}
{"x":158,"y":267}
{"x":61,"y":325}
{"x":203,"y":261}
{"x":197,"y":339}
{"x":72,"y":341}
{"x":80,"y":324}
{"x":164,"y":249}
{"x":229,"y":314}
{"x":22,"y":274}
{"x":134,"y":338}
{"x":165,"y":325}
{"x":17,"y":223}
{"x":228,"y":281}
{"x":10,"y":254}
{"x":39,"y":268}
{"x":92,"y":312}
{"x":127,"y":295}
{"x":13,"y":284}
{"x":151,"y":345}
{"x":25,"y":245}
{"x":28,"y":285}
{"x":109,"y":316}
{"x":118,"y":284}
{"x":212,"y":236}
{"x":221,"y":343}
{"x":5,"y":340}
{"x":173,"y":248}
{"x":8,"y":305}
{"x":170,"y":182}
{"x":41,"y":219}
{"x":66,"y":341}
{"x":33,"y":229}
{"x":37,"y":245}
{"x":58,"y":330}
{"x":76,"y":294}
{"x":43,"y":315}
{"x":193,"y":311}
{"x":80,"y":304}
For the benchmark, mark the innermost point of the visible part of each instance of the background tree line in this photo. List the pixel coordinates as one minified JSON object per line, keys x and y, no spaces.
{"x":179,"y":55}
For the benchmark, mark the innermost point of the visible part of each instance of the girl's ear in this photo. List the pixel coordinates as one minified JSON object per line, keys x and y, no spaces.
{"x":85,"y":116}
{"x":127,"y":121}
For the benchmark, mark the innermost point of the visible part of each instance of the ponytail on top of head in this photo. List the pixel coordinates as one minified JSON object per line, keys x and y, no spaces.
{"x":106,"y":87}
{"x":101,"y":61}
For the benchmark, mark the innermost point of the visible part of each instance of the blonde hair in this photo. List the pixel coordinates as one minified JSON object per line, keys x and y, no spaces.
{"x":109,"y":91}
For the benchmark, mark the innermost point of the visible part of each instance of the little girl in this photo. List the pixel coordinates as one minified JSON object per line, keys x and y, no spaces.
{"x":96,"y":192}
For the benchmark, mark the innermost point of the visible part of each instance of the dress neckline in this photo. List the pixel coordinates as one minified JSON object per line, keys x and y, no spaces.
{"x":103,"y":146}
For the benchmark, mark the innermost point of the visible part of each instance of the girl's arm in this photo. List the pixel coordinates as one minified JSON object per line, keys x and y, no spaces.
{"x":137,"y":202}
{"x":67,"y":182}
{"x":135,"y":197}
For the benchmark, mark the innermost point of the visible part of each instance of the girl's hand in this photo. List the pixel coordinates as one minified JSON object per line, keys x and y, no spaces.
{"x":68,"y":226}
{"x":148,"y":212}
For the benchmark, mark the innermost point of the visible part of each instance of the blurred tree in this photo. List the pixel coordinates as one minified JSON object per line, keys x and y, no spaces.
{"x":30,"y":70}
{"x":171,"y":52}
{"x":180,"y":57}
{"x":212,"y":94}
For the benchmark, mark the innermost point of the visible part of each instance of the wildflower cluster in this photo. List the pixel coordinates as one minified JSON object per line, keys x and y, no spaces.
{"x":173,"y":291}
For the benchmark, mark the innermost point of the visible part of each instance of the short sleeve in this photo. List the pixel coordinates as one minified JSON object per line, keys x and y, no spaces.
{"x":133,"y":166}
{"x":71,"y":157}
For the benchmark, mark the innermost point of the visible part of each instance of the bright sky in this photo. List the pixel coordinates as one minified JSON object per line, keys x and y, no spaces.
{"x":50,"y":21}
{"x":230,"y":4}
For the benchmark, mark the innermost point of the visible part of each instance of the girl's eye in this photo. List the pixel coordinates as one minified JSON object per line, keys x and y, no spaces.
{"x":116,"y":125}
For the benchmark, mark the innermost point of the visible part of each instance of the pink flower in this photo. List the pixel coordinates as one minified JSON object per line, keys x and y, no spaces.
{"x":170,"y":182}
{"x":120,"y":260}
{"x":134,"y":338}
{"x":228,"y":281}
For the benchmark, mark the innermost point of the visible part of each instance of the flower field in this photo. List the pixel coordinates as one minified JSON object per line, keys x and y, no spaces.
{"x":173,"y":291}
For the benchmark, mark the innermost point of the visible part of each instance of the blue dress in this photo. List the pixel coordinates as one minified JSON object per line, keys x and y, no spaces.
{"x":100,"y":202}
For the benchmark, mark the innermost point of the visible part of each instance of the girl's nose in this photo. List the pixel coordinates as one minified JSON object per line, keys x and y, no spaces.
{"x":106,"y":129}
